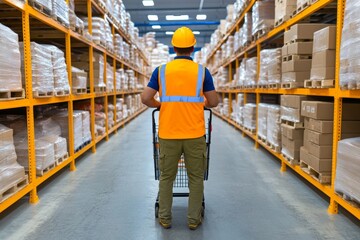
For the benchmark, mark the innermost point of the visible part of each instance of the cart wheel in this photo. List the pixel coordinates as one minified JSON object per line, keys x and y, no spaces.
{"x":203,"y":209}
{"x":156,"y":210}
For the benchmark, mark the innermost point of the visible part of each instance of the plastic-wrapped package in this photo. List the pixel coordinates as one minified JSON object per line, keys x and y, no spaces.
{"x":347,"y":179}
{"x":42,"y":68}
{"x":251,"y":71}
{"x":10,"y":74}
{"x":46,"y":127}
{"x":262,"y":120}
{"x":98,"y":29}
{"x":242,"y":73}
{"x":100,"y":119}
{"x":120,"y":79}
{"x":61,"y":80}
{"x":79,"y":79}
{"x":131,"y":79}
{"x":111,"y":121}
{"x":59,"y":143}
{"x":246,"y":30}
{"x":350,"y":51}
{"x":60,"y":11}
{"x":270,"y":66}
{"x":274,"y":125}
{"x":118,"y":45}
{"x":250,"y":116}
{"x":7,"y":148}
{"x":85,"y":127}
{"x":263,"y":15}
{"x":109,"y":77}
{"x":290,"y":114}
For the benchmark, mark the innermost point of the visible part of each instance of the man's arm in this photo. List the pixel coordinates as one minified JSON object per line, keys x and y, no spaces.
{"x":147,"y":98}
{"x":211,"y":99}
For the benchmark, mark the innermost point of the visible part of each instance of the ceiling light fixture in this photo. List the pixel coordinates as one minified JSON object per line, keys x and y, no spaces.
{"x":201,"y":17}
{"x":169,"y":33}
{"x":156,"y":27}
{"x":148,"y":3}
{"x":177,"y":18}
{"x":153,"y":17}
{"x":196,"y":32}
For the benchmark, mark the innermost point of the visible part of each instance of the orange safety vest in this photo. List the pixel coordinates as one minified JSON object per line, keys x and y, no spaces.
{"x":182,"y":100}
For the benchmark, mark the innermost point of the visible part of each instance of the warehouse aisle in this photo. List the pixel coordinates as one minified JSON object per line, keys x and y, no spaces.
{"x":112,"y":194}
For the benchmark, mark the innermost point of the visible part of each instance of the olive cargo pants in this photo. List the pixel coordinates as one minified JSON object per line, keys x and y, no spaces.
{"x":195,"y":161}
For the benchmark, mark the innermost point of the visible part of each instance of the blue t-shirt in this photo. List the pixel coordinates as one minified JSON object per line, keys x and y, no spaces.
{"x":208,"y":81}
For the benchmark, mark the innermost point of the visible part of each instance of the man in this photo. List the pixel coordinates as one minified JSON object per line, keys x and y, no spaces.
{"x":185,"y":87}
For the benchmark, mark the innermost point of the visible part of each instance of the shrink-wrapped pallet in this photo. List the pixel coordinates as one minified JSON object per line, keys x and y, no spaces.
{"x":85,"y":127}
{"x":262,"y":120}
{"x":111,"y":121}
{"x":246,"y":30}
{"x":42,"y":68}
{"x":98,"y":29}
{"x":283,"y":10}
{"x":60,"y":11}
{"x":118,"y":45}
{"x":109,"y":77}
{"x":79,"y":79}
{"x":82,"y":62}
{"x":263,"y":15}
{"x":270,"y":66}
{"x":350,"y":50}
{"x":251,"y":71}
{"x":347,"y":179}
{"x":274,"y":126}
{"x":61,"y":80}
{"x":250,"y":116}
{"x":10,"y":74}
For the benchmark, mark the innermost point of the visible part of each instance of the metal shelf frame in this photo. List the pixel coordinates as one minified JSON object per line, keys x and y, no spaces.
{"x":336,"y":94}
{"x":30,"y":103}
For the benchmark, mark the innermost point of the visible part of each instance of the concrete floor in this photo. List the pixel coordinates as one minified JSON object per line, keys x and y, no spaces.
{"x":112,"y":195}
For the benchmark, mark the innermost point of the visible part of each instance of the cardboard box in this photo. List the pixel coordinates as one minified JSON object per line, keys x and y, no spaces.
{"x":291,"y":148}
{"x":306,"y":139}
{"x":299,"y":48}
{"x":292,"y":101}
{"x":300,"y":65}
{"x":303,"y":31}
{"x":323,"y":59}
{"x":323,"y":152}
{"x":292,"y":133}
{"x":351,"y":112}
{"x":295,"y":76}
{"x":284,"y":51}
{"x":291,"y":114}
{"x":322,"y":73}
{"x":322,"y":139}
{"x":317,"y":110}
{"x":319,"y":125}
{"x":325,"y":39}
{"x":321,"y":165}
{"x":304,"y":155}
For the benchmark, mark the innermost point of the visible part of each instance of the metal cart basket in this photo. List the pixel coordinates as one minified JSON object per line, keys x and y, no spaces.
{"x":181,"y":180}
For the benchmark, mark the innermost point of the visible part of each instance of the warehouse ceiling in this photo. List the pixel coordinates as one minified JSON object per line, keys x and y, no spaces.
{"x":213,"y":9}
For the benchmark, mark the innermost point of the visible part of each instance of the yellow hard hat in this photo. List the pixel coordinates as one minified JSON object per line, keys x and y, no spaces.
{"x":183,"y":38}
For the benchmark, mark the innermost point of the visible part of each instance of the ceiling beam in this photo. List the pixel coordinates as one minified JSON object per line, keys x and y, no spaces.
{"x":174,"y":9}
{"x":177,"y":23}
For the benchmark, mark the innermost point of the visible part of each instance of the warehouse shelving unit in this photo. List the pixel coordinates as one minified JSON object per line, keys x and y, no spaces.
{"x":70,"y":40}
{"x":334,"y":93}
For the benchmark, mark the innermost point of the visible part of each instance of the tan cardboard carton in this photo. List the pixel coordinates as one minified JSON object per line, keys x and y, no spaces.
{"x":300,"y":65}
{"x":292,"y":101}
{"x":323,"y":59}
{"x":304,"y":155}
{"x":323,"y":139}
{"x":325,"y":39}
{"x":284,"y":50}
{"x":295,"y":76}
{"x":322,"y":73}
{"x":323,"y":152}
{"x":304,"y":31}
{"x":351,"y":112}
{"x":293,"y":145}
{"x":317,"y":110}
{"x":319,"y":125}
{"x":292,"y":133}
{"x":300,"y":48}
{"x":320,"y":165}
{"x":306,"y":139}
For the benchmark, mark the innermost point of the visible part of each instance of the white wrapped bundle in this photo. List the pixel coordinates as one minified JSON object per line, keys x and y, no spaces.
{"x":99,"y":70}
{"x":263,"y":15}
{"x":86,"y":134}
{"x":98,"y":29}
{"x":350,"y":50}
{"x":262,"y":120}
{"x":242,"y":73}
{"x":251,"y":71}
{"x":246,"y":30}
{"x":274,"y":125}
{"x":109,"y":77}
{"x":250,"y":116}
{"x":347,"y":179}
{"x":7,"y":148}
{"x":60,"y":10}
{"x":118,"y":46}
{"x":46,"y":127}
{"x":59,"y":143}
{"x":79,"y":78}
{"x":290,"y":114}
{"x":119,"y":76}
{"x":270,"y":66}
{"x":10,"y":74}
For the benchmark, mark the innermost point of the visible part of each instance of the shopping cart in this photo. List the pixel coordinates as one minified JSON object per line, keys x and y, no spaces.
{"x":181,"y":180}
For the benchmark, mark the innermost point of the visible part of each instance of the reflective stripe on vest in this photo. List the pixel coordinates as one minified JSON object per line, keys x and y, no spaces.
{"x":189,"y":99}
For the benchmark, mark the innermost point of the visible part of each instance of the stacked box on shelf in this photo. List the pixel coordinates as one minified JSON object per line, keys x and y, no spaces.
{"x":273,"y":137}
{"x":284,"y":9}
{"x":323,"y":60}
{"x":250,"y":117}
{"x":262,"y":121}
{"x":270,"y":68}
{"x":45,"y":6}
{"x":263,"y":14}
{"x":10,"y":74}
{"x":245,"y":32}
{"x":109,"y":78}
{"x":221,"y":78}
{"x":109,"y":38}
{"x":119,"y":109}
{"x":100,"y":120}
{"x":76,"y":24}
{"x":98,"y":30}
{"x":297,"y":54}
{"x":110,"y":116}
{"x":230,"y":16}
{"x":302,"y":4}
{"x":349,"y":53}
{"x":60,"y":12}
{"x":292,"y":127}
{"x":238,"y":109}
{"x":42,"y":70}
{"x":11,"y":173}
{"x":251,"y":72}
{"x":79,"y":80}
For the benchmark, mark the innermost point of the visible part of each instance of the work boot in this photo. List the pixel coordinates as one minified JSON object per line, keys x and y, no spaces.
{"x":194,"y":226}
{"x":165,"y":224}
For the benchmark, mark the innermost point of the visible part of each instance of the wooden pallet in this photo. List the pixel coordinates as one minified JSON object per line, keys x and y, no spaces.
{"x":327,"y":83}
{"x":282,"y":20}
{"x":102,"y":5}
{"x":352,"y":201}
{"x":41,"y":94}
{"x":263,"y":86}
{"x":41,"y":172}
{"x":252,"y":86}
{"x":79,"y":90}
{"x":252,"y":131}
{"x":61,"y":21}
{"x":291,"y":160}
{"x":12,"y":94}
{"x":350,"y":86}
{"x":98,"y":89}
{"x":295,"y":125}
{"x":296,"y":57}
{"x":260,"y":33}
{"x":59,"y":160}
{"x":274,"y":85}
{"x":323,"y":178}
{"x":262,"y":139}
{"x":293,"y":41}
{"x":292,"y":85}
{"x":273,"y":147}
{"x":39,"y":7}
{"x":62,"y":93}
{"x":84,"y":144}
{"x":13,"y":188}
